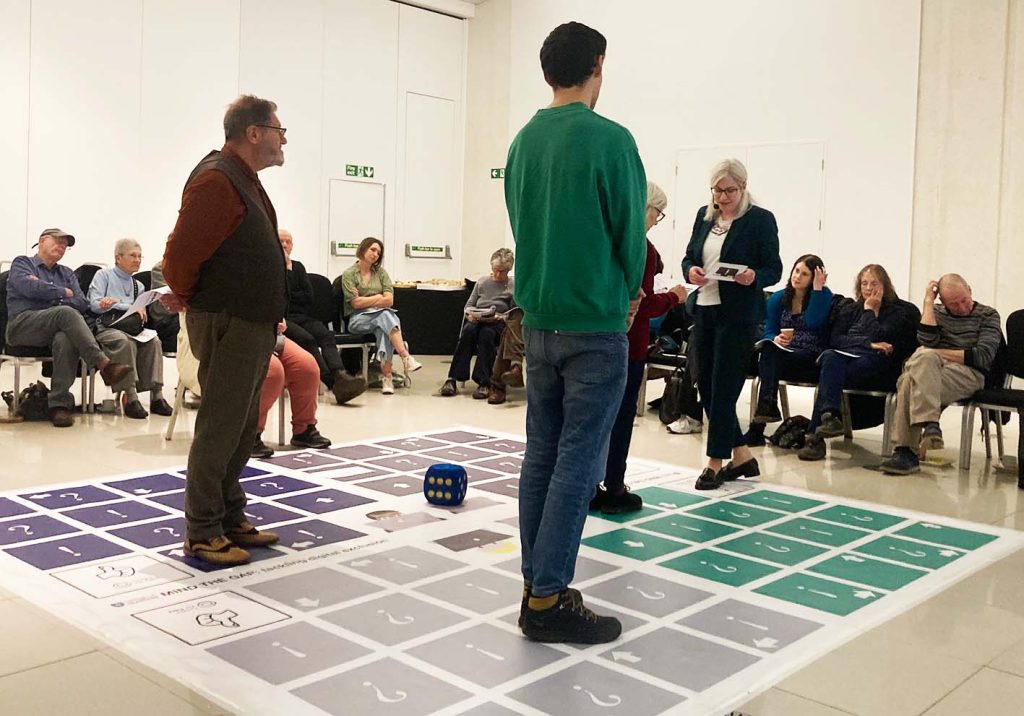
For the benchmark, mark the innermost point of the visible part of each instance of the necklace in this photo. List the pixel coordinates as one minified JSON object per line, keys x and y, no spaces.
{"x":721,"y":227}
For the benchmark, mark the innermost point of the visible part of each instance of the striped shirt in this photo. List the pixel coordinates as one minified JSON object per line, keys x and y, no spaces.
{"x":978,"y":334}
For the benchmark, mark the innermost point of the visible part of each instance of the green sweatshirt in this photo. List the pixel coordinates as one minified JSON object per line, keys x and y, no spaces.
{"x":576,"y":195}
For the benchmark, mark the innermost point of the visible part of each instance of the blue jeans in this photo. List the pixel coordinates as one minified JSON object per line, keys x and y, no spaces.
{"x":569,"y":379}
{"x":839,"y":371}
{"x":775,"y":363}
{"x":622,"y":429}
{"x":381,"y":323}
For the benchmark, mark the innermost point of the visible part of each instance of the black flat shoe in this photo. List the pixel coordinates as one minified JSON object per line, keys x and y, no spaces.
{"x":747,"y":469}
{"x":709,"y":480}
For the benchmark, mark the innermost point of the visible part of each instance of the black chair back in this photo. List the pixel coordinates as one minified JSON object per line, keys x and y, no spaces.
{"x":145,"y":278}
{"x":324,"y":308}
{"x":1015,"y":344}
{"x":85,"y":274}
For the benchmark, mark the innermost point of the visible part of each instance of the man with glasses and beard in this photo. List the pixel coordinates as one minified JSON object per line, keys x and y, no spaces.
{"x":225,"y":266}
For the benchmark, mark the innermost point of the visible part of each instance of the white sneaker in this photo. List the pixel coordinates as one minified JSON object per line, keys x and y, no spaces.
{"x":685,"y":426}
{"x":411,"y":364}
{"x":387,"y":385}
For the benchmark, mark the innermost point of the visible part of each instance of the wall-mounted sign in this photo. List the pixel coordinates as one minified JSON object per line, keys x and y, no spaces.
{"x":343,"y":248}
{"x":417,"y":251}
{"x":498,"y":173}
{"x":355,"y":170}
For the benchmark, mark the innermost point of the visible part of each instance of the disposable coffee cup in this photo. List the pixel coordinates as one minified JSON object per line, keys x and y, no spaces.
{"x":787,"y":332}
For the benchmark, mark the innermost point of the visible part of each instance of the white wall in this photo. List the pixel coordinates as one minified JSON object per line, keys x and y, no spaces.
{"x":969,"y":203}
{"x":111,"y":103}
{"x":692,"y":74}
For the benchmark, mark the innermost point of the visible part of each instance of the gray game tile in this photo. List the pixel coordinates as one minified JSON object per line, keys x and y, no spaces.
{"x":509,"y":487}
{"x":459,"y":454}
{"x":508,"y":464}
{"x":293,"y":651}
{"x":399,"y":485}
{"x":413,"y":444}
{"x":764,"y":629}
{"x":302,"y":459}
{"x":586,"y":568}
{"x":393,"y":619}
{"x":403,"y":565}
{"x":469,"y":540}
{"x":589,"y":688}
{"x":392,"y":521}
{"x":461,"y":436}
{"x":479,"y":591}
{"x":486,"y":655}
{"x":680,"y":658}
{"x":382,"y":688}
{"x":314,"y":588}
{"x":647,"y":594}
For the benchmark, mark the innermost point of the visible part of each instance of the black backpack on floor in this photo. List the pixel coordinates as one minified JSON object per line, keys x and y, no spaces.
{"x":791,"y":433}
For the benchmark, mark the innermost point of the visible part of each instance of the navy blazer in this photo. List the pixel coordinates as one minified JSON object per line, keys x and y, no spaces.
{"x":753,"y":241}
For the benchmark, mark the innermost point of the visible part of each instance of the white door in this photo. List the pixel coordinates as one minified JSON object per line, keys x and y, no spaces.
{"x":356,"y":210}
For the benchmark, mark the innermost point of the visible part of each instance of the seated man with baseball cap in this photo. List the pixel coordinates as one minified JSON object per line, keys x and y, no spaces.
{"x":45,"y":307}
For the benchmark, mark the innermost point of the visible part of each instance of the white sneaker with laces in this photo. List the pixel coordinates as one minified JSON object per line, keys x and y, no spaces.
{"x":685,"y":426}
{"x":411,"y":364}
{"x":387,"y":385}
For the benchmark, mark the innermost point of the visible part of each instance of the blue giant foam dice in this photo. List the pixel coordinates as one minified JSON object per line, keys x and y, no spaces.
{"x":445,"y":484}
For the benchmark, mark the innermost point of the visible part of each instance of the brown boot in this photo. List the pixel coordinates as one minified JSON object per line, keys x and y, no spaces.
{"x":513,"y":377}
{"x":114,"y":373}
{"x":216,"y":550}
{"x":246,"y":535}
{"x":347,"y":386}
{"x":496,"y":396}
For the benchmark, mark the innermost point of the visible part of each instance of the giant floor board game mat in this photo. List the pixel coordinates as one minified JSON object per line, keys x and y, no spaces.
{"x":376,"y":602}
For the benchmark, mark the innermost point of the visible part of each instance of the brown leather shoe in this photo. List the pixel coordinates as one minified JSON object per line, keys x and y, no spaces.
{"x":482,"y":392}
{"x":246,"y":535}
{"x":347,"y":386}
{"x":61,"y":418}
{"x":114,"y":373}
{"x":513,"y":378}
{"x":496,"y":396}
{"x":217,"y":550}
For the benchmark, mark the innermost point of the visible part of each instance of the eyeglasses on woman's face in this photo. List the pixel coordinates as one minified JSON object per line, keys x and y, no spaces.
{"x":729,"y":191}
{"x":660,"y":214}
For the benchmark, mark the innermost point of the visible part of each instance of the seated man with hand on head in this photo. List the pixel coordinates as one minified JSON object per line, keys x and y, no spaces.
{"x":111,"y":294}
{"x":45,"y":307}
{"x":959,"y":339}
{"x":483,"y":323}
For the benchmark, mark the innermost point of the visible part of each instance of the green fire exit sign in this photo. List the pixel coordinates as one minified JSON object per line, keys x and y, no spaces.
{"x":498,"y":173}
{"x":356,"y":170}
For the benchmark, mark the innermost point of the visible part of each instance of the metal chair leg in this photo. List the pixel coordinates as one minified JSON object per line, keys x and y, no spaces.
{"x":986,"y":433}
{"x":966,"y":436}
{"x":1000,"y":447}
{"x":280,"y":417}
{"x":847,"y":417}
{"x":179,"y":403}
{"x":642,"y":395}
{"x":17,"y":385}
{"x":784,"y":400}
{"x":755,"y":386}
{"x":890,"y":417}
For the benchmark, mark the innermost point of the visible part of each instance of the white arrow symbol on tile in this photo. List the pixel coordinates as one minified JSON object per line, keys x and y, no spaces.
{"x":324,"y":500}
{"x":749,"y":624}
{"x":307,"y":602}
{"x":626,"y":656}
{"x":667,"y":504}
{"x":632,"y":543}
{"x":302,"y":545}
{"x":400,"y":563}
{"x":766,"y":643}
{"x":864,"y":594}
{"x":851,"y":558}
{"x":141,"y":491}
{"x":930,"y":526}
{"x":949,"y":553}
{"x":40,"y":496}
{"x":400,"y":485}
{"x":176,"y":553}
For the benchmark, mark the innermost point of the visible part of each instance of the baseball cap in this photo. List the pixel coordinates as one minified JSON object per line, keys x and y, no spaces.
{"x":57,"y":234}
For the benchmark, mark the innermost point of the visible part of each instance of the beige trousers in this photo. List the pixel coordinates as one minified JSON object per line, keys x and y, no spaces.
{"x":929,"y":383}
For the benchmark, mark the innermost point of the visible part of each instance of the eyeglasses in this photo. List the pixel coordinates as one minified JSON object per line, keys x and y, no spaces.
{"x":730,"y":191}
{"x":661,"y":214}
{"x":282,"y":130}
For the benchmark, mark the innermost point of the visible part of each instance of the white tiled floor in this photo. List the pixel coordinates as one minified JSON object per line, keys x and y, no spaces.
{"x":961,"y":652}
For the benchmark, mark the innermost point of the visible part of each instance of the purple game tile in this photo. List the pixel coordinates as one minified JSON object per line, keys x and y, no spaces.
{"x":405,"y":463}
{"x":154,"y":534}
{"x":412,"y":444}
{"x":115,"y":513}
{"x":461,"y":436}
{"x":459,"y":454}
{"x":507,"y":464}
{"x":262,"y":513}
{"x":25,"y":529}
{"x":348,"y":472}
{"x":273,"y":485}
{"x":477,"y":474}
{"x":360,"y":452}
{"x":503,"y":445}
{"x":148,"y":485}
{"x":302,"y":460}
{"x":76,"y":496}
{"x":64,"y":552}
{"x":313,"y":533}
{"x":256,"y":554}
{"x":174,"y":500}
{"x":324,"y":501}
{"x":10,"y":508}
{"x":250,"y":471}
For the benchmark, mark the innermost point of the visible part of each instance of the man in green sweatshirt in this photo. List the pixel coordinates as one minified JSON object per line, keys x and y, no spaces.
{"x":576,"y":191}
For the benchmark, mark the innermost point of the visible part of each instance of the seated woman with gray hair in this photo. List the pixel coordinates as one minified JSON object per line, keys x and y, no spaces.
{"x":111,"y":294}
{"x":483,"y":321}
